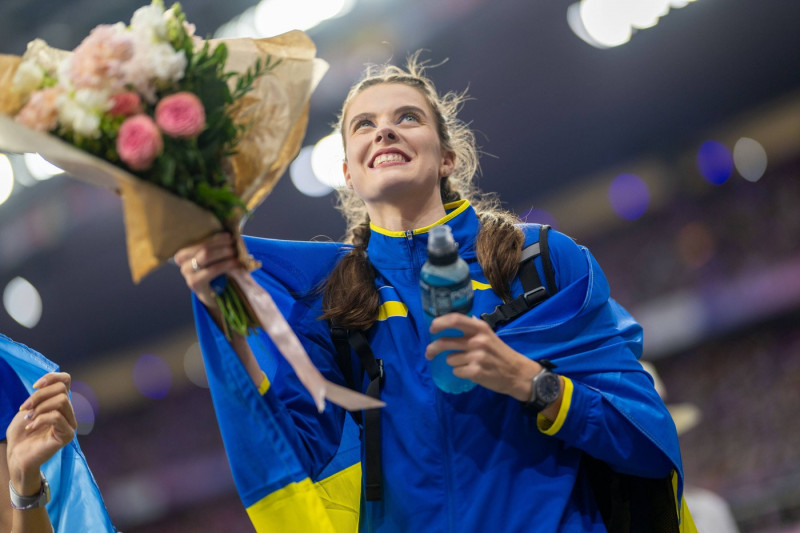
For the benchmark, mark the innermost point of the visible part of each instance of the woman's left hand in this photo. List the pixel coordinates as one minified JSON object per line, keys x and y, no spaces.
{"x":482,"y":357}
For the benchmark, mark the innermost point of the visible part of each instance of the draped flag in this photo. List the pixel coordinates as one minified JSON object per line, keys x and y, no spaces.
{"x":580,"y":329}
{"x":274,"y":483}
{"x":75,"y":501}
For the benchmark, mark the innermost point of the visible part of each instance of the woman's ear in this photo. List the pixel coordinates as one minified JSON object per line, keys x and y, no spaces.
{"x":346,"y":173}
{"x":447,"y":165}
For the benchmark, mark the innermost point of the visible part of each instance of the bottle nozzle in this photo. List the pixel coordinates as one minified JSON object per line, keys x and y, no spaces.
{"x":441,"y":245}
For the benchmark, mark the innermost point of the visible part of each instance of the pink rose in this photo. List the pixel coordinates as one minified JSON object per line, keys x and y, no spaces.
{"x":181,"y":115}
{"x":41,"y":111}
{"x":139,"y":142}
{"x":126,"y":104}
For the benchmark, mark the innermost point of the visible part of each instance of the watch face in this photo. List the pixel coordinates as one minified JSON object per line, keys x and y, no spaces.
{"x":548,"y":387}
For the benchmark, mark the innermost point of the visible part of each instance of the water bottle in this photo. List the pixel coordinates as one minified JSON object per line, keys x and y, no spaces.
{"x":446,"y":287}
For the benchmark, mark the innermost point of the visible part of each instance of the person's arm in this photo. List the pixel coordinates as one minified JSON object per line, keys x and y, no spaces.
{"x":45,"y":424}
{"x":600,"y":348}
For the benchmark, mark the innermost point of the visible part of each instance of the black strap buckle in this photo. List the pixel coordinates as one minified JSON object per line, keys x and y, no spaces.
{"x":535,"y":297}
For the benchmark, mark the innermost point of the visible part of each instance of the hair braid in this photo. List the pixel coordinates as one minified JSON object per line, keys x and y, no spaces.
{"x":350,"y":299}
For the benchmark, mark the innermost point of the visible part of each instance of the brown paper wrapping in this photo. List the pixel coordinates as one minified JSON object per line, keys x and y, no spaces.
{"x":158,"y":223}
{"x":9,"y":100}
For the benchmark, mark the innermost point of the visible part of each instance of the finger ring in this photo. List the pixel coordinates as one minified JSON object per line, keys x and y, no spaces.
{"x":195,"y":266}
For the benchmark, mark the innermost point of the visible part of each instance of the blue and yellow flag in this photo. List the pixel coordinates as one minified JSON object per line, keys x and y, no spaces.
{"x":581,"y":329}
{"x":299,"y":472}
{"x":75,"y":501}
{"x":281,"y":490}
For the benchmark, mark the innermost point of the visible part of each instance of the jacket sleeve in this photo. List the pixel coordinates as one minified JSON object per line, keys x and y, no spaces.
{"x":610,"y":409}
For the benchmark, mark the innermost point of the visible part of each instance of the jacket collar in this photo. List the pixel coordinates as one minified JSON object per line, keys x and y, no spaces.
{"x":386,"y":247}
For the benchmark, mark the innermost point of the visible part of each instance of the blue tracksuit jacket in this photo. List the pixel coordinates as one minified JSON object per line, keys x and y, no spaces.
{"x":473,"y":462}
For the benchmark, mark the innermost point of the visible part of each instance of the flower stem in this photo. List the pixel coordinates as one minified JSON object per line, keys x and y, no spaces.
{"x":236,"y":315}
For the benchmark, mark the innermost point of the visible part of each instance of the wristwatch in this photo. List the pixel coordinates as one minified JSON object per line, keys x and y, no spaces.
{"x":545,"y":389}
{"x":25,"y":503}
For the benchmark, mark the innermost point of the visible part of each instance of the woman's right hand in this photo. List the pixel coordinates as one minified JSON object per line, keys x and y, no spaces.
{"x":45,"y":424}
{"x":203,"y":262}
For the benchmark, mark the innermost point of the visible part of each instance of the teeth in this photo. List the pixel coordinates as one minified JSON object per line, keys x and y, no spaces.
{"x":387,"y":158}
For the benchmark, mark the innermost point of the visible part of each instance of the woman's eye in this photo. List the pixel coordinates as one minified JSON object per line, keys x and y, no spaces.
{"x":409,"y":117}
{"x":362,"y":124}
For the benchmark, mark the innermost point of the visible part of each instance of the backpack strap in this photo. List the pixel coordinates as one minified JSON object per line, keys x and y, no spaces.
{"x":533,"y":292}
{"x":370,"y":423}
{"x":342,"y":345}
{"x":547,"y":263}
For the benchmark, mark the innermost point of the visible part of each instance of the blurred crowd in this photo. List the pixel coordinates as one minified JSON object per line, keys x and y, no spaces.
{"x":715,"y":234}
{"x":745,"y":380}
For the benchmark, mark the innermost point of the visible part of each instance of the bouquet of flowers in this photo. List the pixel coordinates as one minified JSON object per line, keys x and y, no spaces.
{"x":192,"y":133}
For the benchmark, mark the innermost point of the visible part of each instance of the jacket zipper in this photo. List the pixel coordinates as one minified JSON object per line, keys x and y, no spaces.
{"x":447,"y":460}
{"x":448,"y":467}
{"x":410,"y":245}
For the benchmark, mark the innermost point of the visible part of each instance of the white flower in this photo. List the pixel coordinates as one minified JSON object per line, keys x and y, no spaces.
{"x":62,"y":75}
{"x":168,"y":65}
{"x":94,"y":99}
{"x":81,"y":111}
{"x":153,"y":64}
{"x":47,"y":58}
{"x":150,"y":23}
{"x":28,"y":78}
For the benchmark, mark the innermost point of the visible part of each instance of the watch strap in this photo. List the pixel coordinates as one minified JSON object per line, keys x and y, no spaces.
{"x":25,"y":503}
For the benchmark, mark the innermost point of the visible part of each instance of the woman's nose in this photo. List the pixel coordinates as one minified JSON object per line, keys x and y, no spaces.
{"x":385,"y":134}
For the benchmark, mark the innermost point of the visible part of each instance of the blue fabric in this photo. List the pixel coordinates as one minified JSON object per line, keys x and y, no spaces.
{"x":76,"y":503}
{"x":261,"y":440}
{"x":472,"y":462}
{"x":12,"y":394}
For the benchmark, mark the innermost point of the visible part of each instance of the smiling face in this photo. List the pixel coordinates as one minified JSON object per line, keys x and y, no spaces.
{"x":393,"y":154}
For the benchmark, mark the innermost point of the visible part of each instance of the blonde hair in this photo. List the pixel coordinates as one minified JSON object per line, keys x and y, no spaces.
{"x":351,"y":299}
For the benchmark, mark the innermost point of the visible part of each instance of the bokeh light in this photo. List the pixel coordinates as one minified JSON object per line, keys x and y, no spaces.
{"x":715,"y":162}
{"x":85,"y":390}
{"x":40,"y":168}
{"x":84,"y":413}
{"x":605,"y":22}
{"x":6,"y":178}
{"x":326,"y":160}
{"x":152,"y":376}
{"x":644,"y":14}
{"x":750,"y":159}
{"x":194,"y":367}
{"x":303,"y":176}
{"x":273,"y":17}
{"x":23,"y":302}
{"x":629,"y":196}
{"x":609,"y":23}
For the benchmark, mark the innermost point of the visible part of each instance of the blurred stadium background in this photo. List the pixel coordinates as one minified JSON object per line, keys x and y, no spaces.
{"x":668,"y":142}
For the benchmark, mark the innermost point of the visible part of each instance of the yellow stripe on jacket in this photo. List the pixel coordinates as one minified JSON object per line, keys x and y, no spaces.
{"x":394,"y":308}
